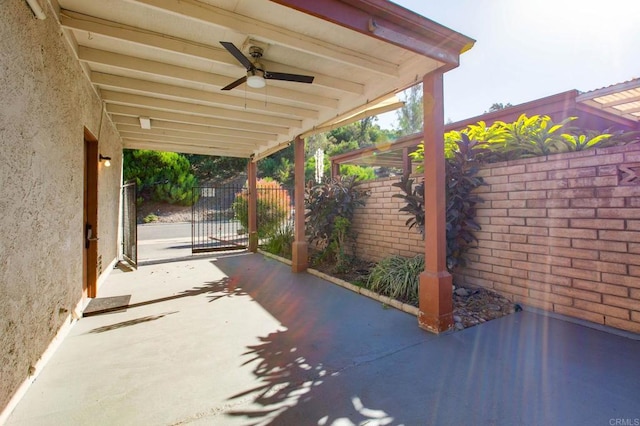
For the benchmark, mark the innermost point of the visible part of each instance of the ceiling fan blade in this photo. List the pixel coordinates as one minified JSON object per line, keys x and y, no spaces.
{"x":231,"y":48}
{"x":288,"y":77}
{"x":236,"y":83}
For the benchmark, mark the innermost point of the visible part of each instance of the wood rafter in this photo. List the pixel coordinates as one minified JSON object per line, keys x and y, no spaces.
{"x":132,"y":85}
{"x":113,"y":30}
{"x":226,"y":19}
{"x":179,"y":117}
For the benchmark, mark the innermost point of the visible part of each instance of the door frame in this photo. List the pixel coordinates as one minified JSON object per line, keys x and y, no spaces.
{"x":90,"y":217}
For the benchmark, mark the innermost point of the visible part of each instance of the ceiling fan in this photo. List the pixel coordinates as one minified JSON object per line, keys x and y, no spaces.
{"x":256,"y":74}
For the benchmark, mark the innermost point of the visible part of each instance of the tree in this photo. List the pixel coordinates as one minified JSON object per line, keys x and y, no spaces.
{"x":498,"y":106}
{"x":160,"y":176}
{"x":207,"y":167}
{"x":411,"y":115}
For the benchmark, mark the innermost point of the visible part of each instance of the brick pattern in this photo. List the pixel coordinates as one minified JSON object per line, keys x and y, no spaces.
{"x":380,"y":227}
{"x":560,"y":233}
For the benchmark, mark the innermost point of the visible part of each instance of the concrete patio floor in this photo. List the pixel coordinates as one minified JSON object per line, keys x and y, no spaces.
{"x":239,"y":340}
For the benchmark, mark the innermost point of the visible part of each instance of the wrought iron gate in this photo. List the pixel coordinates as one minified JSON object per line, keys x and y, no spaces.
{"x":220,"y":215}
{"x":214,"y":225}
{"x":129,"y":224}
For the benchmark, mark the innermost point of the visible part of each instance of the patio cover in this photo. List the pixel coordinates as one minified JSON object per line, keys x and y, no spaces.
{"x":162,"y":59}
{"x":622,"y":99}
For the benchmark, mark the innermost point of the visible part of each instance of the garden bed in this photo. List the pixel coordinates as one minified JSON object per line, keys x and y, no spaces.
{"x":471,"y":306}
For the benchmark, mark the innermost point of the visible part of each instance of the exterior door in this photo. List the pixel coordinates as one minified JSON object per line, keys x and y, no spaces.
{"x":90,"y":216}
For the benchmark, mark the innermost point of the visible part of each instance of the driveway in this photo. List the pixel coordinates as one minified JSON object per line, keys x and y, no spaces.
{"x":240,"y":340}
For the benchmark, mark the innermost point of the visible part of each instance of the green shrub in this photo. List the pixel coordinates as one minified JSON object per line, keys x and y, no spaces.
{"x":329,"y":212}
{"x":467,"y":150}
{"x":279,"y":242}
{"x":461,"y":169}
{"x":150,"y":218}
{"x":397,"y":277}
{"x":273,"y":207}
{"x":161,"y":176}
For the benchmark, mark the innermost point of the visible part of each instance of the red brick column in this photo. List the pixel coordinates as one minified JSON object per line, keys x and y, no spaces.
{"x":435,"y":293}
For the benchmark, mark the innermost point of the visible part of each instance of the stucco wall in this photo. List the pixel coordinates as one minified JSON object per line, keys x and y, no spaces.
{"x":46,"y":103}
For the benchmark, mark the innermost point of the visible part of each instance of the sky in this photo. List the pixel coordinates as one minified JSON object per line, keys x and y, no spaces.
{"x":526,"y":50}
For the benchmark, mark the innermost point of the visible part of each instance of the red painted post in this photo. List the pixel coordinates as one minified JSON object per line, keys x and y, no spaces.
{"x":253,"y":204}
{"x":435,"y":293}
{"x":300,"y":247}
{"x":335,"y":169}
{"x":406,"y":163}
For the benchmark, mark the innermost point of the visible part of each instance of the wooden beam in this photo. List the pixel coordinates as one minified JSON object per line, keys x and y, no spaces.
{"x":121,"y":120}
{"x":136,"y":132}
{"x":113,"y":30}
{"x":221,"y":143}
{"x":391,"y":23}
{"x":204,"y":110}
{"x":179,"y":74}
{"x":184,"y":148}
{"x":144,"y":87}
{"x":197,"y":120}
{"x":435,"y":290}
{"x":253,"y":206}
{"x":276,"y":34}
{"x":300,"y":246}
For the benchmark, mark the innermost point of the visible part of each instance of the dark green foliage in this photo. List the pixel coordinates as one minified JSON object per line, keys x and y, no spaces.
{"x":330,"y":207}
{"x":462,"y":179}
{"x":211,"y":167}
{"x":397,"y":277}
{"x":160,"y":176}
{"x":467,"y":150}
{"x":278,"y":166}
{"x":461,"y":170}
{"x":411,"y":115}
{"x":279,"y":242}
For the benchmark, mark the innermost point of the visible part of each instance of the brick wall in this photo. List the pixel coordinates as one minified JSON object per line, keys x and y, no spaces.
{"x":381,"y":228}
{"x":560,"y":233}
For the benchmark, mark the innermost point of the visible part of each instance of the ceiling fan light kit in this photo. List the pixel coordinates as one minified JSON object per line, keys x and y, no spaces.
{"x":256,"y":81}
{"x":256,"y":74}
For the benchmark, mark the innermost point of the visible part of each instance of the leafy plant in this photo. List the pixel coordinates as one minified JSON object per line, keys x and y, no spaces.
{"x":329,"y":212}
{"x":531,"y":137}
{"x":580,"y":142}
{"x":150,"y":218}
{"x":397,"y":277}
{"x":160,"y":176}
{"x":279,"y":241}
{"x":461,"y":168}
{"x":273,"y":206}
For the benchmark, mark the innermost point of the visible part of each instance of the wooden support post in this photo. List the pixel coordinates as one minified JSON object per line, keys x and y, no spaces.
{"x":252,"y":174}
{"x":300,"y":248}
{"x":406,"y":163}
{"x":435,"y":292}
{"x":335,"y":169}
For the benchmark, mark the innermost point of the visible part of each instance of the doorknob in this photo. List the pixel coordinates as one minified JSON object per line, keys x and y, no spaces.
{"x":89,"y":235}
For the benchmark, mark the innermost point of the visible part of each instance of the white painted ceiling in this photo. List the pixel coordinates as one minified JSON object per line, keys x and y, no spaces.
{"x":163,"y":59}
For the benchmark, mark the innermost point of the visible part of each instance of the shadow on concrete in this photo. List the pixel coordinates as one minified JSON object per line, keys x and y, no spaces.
{"x":129,"y":323}
{"x":338,"y":358}
{"x":325,"y":333}
{"x":213,"y":287}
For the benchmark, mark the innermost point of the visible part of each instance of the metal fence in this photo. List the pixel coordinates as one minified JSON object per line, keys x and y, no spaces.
{"x":220,"y":215}
{"x":129,"y":224}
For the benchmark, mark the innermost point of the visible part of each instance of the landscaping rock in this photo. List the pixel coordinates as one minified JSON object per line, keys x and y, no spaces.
{"x":462,"y":292}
